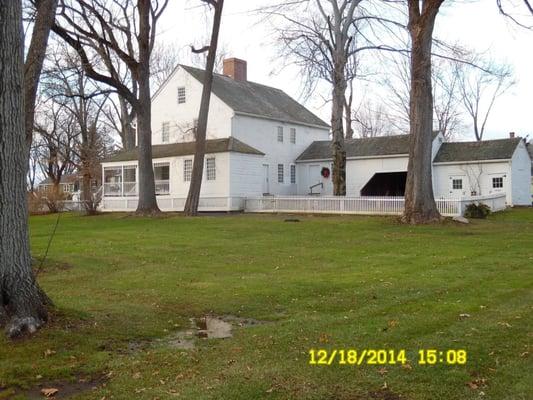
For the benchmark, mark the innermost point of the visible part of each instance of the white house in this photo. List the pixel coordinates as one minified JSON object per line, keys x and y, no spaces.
{"x":378,"y":167}
{"x":263,"y":142}
{"x":255,"y":133}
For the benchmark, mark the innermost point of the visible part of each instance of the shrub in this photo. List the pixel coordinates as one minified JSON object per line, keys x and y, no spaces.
{"x":479,"y":210}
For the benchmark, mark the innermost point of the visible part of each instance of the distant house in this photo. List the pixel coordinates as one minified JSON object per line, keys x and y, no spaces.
{"x":70,"y":183}
{"x":261,"y":142}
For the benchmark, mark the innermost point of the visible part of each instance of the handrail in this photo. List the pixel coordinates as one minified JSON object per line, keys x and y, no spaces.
{"x":321,"y":184}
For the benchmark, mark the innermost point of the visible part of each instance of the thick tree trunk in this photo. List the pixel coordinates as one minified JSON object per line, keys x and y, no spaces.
{"x":348,"y":115}
{"x":46,"y":10}
{"x":193,"y":198}
{"x":339,"y":153}
{"x":420,"y":206}
{"x":23,"y":304}
{"x":147,"y":200}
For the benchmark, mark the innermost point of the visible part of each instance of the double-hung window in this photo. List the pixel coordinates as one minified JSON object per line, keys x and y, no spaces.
{"x":293,"y":135}
{"x":280,"y":173}
{"x":181,"y":95}
{"x":210,"y":169}
{"x":165,"y":132}
{"x":280,"y":134}
{"x":293,"y":173}
{"x":187,"y":170}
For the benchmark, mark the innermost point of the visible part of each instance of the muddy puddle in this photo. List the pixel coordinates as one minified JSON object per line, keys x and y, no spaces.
{"x":54,"y":390}
{"x":204,"y":328}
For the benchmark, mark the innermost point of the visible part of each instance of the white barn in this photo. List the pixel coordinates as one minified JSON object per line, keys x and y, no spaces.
{"x":260,"y":142}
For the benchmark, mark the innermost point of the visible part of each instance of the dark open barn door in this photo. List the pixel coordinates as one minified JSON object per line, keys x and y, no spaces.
{"x":385,"y":184}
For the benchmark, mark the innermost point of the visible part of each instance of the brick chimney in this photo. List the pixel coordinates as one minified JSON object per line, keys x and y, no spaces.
{"x":235,"y":68}
{"x":511,"y":135}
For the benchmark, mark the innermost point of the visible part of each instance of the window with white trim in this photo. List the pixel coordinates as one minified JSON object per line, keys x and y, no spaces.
{"x":187,"y":170}
{"x":457,"y":184}
{"x":165,"y":132}
{"x":210,"y":169}
{"x":162,"y":178}
{"x":497,"y":182}
{"x":181,"y":95}
{"x":293,"y":173}
{"x":280,"y":134}
{"x":293,"y":135}
{"x":280,"y":173}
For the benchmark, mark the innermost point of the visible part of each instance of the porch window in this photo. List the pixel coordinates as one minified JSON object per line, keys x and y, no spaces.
{"x":293,"y":173}
{"x":457,"y":184}
{"x":181,"y":95}
{"x":165,"y":132}
{"x":210,"y":169}
{"x":162,"y":178}
{"x":280,"y":134}
{"x":120,"y":181}
{"x":187,"y":170}
{"x":293,"y":135}
{"x":280,"y":173}
{"x":497,"y":183}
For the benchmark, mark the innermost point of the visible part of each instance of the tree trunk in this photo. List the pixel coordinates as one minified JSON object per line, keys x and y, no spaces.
{"x":348,"y":114}
{"x":420,"y":206}
{"x":127,"y":133}
{"x":46,"y":10}
{"x":23,"y":304}
{"x":193,"y":198}
{"x":147,"y":199}
{"x":339,"y":153}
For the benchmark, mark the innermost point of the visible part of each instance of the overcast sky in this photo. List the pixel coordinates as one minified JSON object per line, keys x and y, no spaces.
{"x":477,"y":25}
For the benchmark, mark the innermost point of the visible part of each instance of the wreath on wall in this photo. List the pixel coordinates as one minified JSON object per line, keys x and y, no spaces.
{"x":325,"y":172}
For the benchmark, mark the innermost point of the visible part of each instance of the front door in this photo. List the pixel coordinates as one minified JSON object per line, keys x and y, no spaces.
{"x":457,"y":186}
{"x":315,"y":179}
{"x":266,"y":186}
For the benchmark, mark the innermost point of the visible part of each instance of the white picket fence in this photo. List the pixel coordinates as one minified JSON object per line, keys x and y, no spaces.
{"x":360,"y":205}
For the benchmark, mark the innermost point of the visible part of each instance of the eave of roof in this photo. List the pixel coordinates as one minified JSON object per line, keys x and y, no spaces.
{"x":187,"y":148}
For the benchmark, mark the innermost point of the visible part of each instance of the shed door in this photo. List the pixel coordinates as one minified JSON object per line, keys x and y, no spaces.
{"x":457,"y":186}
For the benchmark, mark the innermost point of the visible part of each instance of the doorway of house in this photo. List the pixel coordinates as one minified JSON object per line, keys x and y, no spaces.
{"x":266,"y":181}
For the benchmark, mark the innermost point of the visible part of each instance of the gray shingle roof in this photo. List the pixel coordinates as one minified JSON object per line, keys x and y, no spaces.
{"x":499,"y":149}
{"x":188,"y":148}
{"x":256,"y":99}
{"x":69,"y":178}
{"x":365,"y":147}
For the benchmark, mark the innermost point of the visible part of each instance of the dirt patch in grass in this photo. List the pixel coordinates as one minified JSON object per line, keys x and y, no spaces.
{"x":56,"y":389}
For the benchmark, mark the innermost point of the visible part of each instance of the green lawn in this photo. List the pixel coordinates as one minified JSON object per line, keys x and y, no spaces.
{"x":325,"y":282}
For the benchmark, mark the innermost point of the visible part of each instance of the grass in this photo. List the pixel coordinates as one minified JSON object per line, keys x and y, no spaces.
{"x":325,"y":282}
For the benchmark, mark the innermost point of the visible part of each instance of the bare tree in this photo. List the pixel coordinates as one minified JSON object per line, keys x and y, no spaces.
{"x":23,"y":305}
{"x":420,"y":206}
{"x":320,"y":38}
{"x":44,"y":16}
{"x":97,"y":29}
{"x":480,"y":88}
{"x":372,"y":120}
{"x":527,"y":4}
{"x":193,"y":197}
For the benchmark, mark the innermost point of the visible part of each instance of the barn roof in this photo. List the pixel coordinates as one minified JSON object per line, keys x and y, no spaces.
{"x":253,"y":98}
{"x":188,"y":148}
{"x":364,"y":147}
{"x":499,"y":149}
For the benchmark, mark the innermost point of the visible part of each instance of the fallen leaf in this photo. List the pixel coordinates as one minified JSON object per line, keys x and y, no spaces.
{"x":49,"y":353}
{"x":382,"y":371}
{"x":49,"y":392}
{"x":407,"y":366}
{"x":464,"y":315}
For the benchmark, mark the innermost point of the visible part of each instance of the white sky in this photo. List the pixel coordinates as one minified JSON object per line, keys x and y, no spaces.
{"x":477,"y":25}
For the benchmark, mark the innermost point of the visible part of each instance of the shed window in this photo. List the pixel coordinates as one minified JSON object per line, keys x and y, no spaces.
{"x":181,"y":95}
{"x":280,"y":173}
{"x":165,"y":132}
{"x":293,"y":135}
{"x":457,"y":184}
{"x":280,"y":134}
{"x":497,"y":182}
{"x":293,"y":173}
{"x":210,"y":168}
{"x":187,"y":170}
